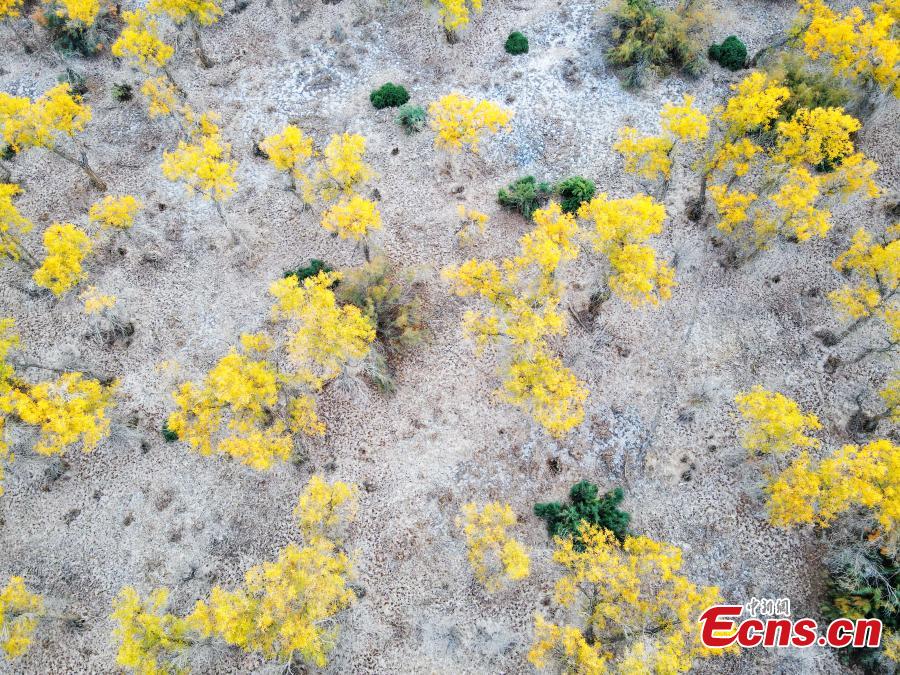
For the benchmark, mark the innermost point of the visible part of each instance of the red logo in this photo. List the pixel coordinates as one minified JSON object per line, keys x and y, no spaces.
{"x":720,"y":628}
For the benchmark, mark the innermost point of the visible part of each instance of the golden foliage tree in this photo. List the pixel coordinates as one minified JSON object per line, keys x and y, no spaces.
{"x":61,"y":270}
{"x":524,"y":297}
{"x":203,"y":162}
{"x":774,"y":423}
{"x":494,"y":555}
{"x":866,"y":477}
{"x":285,"y":609}
{"x":68,"y":410}
{"x":460,"y":122}
{"x":20,"y":612}
{"x":42,"y":123}
{"x":872,"y":273}
{"x":767,"y":179}
{"x":455,"y":15}
{"x":193,"y":13}
{"x":246,"y":406}
{"x":634,"y":611}
{"x":859,"y":47}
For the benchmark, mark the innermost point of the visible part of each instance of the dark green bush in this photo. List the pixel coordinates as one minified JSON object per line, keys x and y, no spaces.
{"x":573,"y":191}
{"x":7,"y":152}
{"x":525,"y":195}
{"x":516,"y":44}
{"x":647,"y":38}
{"x":411,"y":118}
{"x":731,"y":54}
{"x":564,"y":520}
{"x":122,"y":92}
{"x":864,"y":584}
{"x":389,"y":95}
{"x":809,"y":88}
{"x":311,"y":269}
{"x":169,"y":435}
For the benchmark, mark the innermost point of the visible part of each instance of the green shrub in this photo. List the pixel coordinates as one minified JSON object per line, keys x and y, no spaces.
{"x":647,"y":38}
{"x":564,"y":520}
{"x":731,"y":54}
{"x":516,"y":44}
{"x":169,"y":435}
{"x":7,"y":152}
{"x":390,"y":297}
{"x":524,"y":195}
{"x":864,"y":584}
{"x":71,"y":38}
{"x":389,"y":95}
{"x":122,"y":92}
{"x":809,"y":88}
{"x":76,"y":81}
{"x":411,"y":118}
{"x":311,"y":269}
{"x":573,"y":191}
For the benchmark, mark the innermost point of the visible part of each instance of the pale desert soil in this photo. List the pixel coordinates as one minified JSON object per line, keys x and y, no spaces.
{"x":140,"y":511}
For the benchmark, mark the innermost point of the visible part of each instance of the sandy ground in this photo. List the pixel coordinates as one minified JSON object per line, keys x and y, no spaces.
{"x":660,"y":419}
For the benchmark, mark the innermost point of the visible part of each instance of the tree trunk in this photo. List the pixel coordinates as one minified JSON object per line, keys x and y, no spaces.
{"x":198,"y":47}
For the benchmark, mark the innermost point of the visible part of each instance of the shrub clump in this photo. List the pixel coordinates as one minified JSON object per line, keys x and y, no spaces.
{"x":389,"y":95}
{"x":391,"y":298}
{"x":525,"y":195}
{"x":731,"y":54}
{"x":574,"y":191}
{"x":412,"y":118}
{"x":864,"y":584}
{"x":516,"y":44}
{"x":311,"y":269}
{"x":564,"y":520}
{"x":647,"y":38}
{"x":168,"y":434}
{"x":809,"y":88}
{"x":123,"y":92}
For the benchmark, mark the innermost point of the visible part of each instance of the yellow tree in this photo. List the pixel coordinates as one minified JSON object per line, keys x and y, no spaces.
{"x":867,"y":477}
{"x":524,"y":296}
{"x":323,"y":336}
{"x":140,"y":46}
{"x":460,"y":122}
{"x":343,"y":169}
{"x":494,"y":555}
{"x":774,"y":423}
{"x":455,"y":15}
{"x":203,"y":162}
{"x":768,"y":179}
{"x":290,"y":151}
{"x":13,"y":226}
{"x":61,"y":270}
{"x":194,"y":13}
{"x":618,"y":230}
{"x":115,"y":212}
{"x":872,"y":270}
{"x":651,"y":156}
{"x":285,"y":609}
{"x":634,"y":611}
{"x":68,"y":410}
{"x":78,"y":14}
{"x":41,"y":123}
{"x":249,"y":409}
{"x":233,"y":411}
{"x":354,"y":218}
{"x":20,"y":612}
{"x":860,"y":48}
